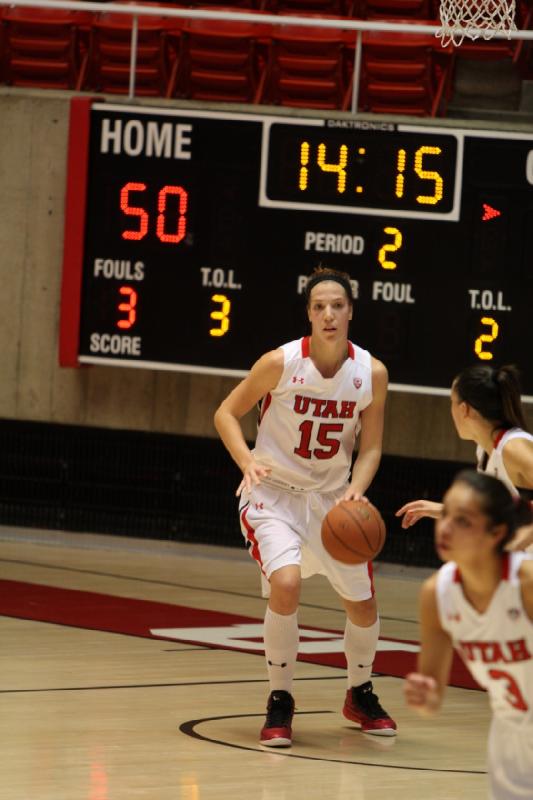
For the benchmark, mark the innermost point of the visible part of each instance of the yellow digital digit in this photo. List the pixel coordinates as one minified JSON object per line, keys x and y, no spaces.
{"x":429,"y":175}
{"x":390,"y":247}
{"x":486,"y":338}
{"x":339,"y":168}
{"x":304,"y":171}
{"x":221,"y":315}
{"x":400,"y":166}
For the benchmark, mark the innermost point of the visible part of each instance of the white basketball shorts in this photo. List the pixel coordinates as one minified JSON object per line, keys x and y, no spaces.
{"x":510,"y":761}
{"x":283,"y":528}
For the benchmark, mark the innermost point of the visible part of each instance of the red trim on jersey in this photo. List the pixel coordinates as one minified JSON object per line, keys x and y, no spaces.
{"x":499,"y":437}
{"x":457,"y":576}
{"x":371,"y":576}
{"x":250,"y":537}
{"x":506,"y":565}
{"x":267,"y":399}
{"x":306,"y":348}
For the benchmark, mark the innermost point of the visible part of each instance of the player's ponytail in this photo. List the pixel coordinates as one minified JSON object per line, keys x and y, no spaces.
{"x":508,"y":381}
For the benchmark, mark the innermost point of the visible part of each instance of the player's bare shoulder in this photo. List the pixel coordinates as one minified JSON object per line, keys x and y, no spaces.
{"x":268,"y":369}
{"x":380,"y":377}
{"x":429,"y":586}
{"x":273,"y":360}
{"x":379,"y":370}
{"x":428,"y":601}
{"x":526,"y":585}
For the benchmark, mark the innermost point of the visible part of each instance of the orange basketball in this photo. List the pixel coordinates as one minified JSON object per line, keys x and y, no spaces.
{"x":353,"y":532}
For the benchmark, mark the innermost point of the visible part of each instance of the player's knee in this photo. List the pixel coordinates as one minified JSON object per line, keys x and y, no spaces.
{"x":285,"y":586}
{"x":363,"y":613}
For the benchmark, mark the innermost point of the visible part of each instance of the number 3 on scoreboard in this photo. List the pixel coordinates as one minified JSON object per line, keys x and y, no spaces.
{"x":221,"y":315}
{"x":485,"y":338}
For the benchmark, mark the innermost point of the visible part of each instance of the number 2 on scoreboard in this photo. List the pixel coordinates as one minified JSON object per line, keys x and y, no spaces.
{"x":486,"y":338}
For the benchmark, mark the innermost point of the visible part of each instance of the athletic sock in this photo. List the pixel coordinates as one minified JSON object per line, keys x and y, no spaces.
{"x":281,"y":639}
{"x":360,"y":646}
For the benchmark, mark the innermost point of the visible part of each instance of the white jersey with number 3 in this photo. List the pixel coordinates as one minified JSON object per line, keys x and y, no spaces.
{"x":497,"y":648}
{"x":309,"y":423}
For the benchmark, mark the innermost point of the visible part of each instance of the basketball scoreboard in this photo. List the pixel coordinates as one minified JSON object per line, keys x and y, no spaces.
{"x":189,"y":235}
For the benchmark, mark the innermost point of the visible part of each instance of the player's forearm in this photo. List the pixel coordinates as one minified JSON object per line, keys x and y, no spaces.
{"x":365,"y":467}
{"x":230,"y":431}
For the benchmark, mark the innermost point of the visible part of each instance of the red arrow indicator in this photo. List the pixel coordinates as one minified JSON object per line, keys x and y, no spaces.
{"x":489,"y":212}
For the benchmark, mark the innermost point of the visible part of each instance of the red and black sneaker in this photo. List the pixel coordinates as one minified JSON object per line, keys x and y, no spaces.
{"x":277,"y":731}
{"x":362,"y":706}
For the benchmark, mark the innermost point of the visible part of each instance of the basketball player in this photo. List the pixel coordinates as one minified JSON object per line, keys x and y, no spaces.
{"x":481,"y":602}
{"x":316,"y":394}
{"x":487,"y":409}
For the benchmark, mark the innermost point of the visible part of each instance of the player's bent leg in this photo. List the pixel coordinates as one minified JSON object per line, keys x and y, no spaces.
{"x":361,"y":704}
{"x":285,"y":586}
{"x":281,"y":649}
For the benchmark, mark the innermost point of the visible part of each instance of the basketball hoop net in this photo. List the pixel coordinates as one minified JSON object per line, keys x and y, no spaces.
{"x":474,"y":18}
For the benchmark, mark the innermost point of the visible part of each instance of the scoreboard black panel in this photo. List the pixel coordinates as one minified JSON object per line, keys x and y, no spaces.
{"x":189,"y":235}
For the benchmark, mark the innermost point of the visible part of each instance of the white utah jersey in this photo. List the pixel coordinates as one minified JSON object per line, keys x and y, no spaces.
{"x":497,"y":645}
{"x":494,"y":465}
{"x":309,"y":423}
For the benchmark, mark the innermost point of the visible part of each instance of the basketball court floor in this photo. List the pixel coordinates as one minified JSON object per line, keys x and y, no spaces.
{"x":132,"y":670}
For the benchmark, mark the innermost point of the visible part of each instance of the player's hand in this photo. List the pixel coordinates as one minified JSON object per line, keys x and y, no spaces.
{"x":352,"y":494}
{"x":416,"y":509}
{"x":252,"y":475}
{"x":421,"y":693}
{"x":522,"y":539}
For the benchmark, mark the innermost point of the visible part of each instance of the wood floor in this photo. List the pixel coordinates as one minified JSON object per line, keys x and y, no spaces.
{"x":94,"y":707}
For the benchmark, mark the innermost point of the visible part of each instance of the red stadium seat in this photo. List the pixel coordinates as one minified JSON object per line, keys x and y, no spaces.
{"x":308,"y":68}
{"x":394,"y":9}
{"x":404,"y":73}
{"x":220,"y":60}
{"x":46,"y":48}
{"x":110,"y":54}
{"x":337,"y":8}
{"x":222,"y":5}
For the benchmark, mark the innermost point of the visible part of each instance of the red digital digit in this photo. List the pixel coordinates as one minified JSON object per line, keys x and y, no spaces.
{"x":128,"y":307}
{"x":133,"y":211}
{"x":182,"y":212}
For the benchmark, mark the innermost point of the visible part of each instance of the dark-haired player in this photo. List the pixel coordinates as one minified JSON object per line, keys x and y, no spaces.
{"x":481,"y":603}
{"x":316,"y":394}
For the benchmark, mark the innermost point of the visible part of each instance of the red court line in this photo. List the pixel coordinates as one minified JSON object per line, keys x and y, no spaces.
{"x":134,"y":617}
